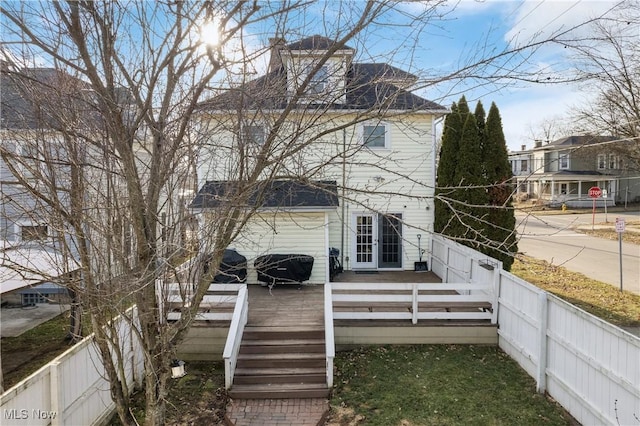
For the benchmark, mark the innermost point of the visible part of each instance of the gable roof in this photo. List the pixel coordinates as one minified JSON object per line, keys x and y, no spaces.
{"x":28,"y":97}
{"x":368,"y":86}
{"x":280,"y":194}
{"x":573,"y":141}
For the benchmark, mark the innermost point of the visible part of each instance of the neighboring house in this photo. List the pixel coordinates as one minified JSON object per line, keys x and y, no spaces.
{"x":31,"y":250}
{"x":362,"y":180}
{"x":563,"y":171}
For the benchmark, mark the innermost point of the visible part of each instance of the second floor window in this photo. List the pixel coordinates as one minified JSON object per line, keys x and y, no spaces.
{"x":375,"y":136}
{"x":524,"y":165}
{"x":613,"y":161}
{"x":254,"y":134}
{"x":563,"y":161}
{"x":602,"y":161}
{"x":34,"y":232}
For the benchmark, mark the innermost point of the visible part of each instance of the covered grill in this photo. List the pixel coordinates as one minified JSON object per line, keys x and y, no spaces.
{"x":284,"y":268}
{"x":233,"y":268}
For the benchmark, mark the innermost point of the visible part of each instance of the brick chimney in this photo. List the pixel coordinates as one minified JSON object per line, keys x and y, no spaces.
{"x":276,"y":44}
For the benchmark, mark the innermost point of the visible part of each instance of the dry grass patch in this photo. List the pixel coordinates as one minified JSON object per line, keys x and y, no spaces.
{"x":600,"y":299}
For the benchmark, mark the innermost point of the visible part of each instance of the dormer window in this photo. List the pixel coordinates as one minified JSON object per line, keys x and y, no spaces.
{"x":318,"y":82}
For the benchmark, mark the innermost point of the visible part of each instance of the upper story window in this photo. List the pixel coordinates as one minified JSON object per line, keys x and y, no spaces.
{"x":524,"y":165}
{"x":375,"y":135}
{"x":563,"y":161}
{"x":613,"y":161}
{"x":254,"y":134}
{"x":319,"y":81}
{"x":34,"y":232}
{"x":602,"y":161}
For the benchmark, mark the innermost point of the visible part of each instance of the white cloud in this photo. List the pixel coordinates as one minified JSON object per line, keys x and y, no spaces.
{"x":538,"y":20}
{"x":524,"y":112}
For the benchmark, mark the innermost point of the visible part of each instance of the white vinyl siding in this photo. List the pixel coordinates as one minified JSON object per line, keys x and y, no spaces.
{"x":285,"y":233}
{"x":395,"y":180}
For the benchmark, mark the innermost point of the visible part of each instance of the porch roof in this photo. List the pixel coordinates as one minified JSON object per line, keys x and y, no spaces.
{"x":573,"y":175}
{"x":287,"y":194}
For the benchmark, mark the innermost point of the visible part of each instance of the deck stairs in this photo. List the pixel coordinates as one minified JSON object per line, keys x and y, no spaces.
{"x":282,"y":352}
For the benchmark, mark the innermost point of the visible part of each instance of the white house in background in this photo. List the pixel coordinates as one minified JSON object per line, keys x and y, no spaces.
{"x":364,"y":187}
{"x":563,"y":171}
{"x":30,"y":252}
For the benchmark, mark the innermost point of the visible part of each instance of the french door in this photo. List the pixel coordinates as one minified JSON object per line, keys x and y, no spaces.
{"x":377,"y":241}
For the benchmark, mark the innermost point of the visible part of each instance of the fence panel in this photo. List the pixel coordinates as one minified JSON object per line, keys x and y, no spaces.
{"x":72,"y":389}
{"x":593,"y":367}
{"x":589,"y":366}
{"x":518,"y":317}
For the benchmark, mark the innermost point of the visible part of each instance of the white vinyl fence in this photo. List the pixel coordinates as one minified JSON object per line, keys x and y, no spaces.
{"x":72,"y":389}
{"x":589,"y":366}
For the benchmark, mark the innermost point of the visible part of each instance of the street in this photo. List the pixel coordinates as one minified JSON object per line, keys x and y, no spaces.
{"x":551,"y":238}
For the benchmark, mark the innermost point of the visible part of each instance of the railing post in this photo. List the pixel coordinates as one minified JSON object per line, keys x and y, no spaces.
{"x":414,"y":301}
{"x":330,"y":346}
{"x":541,"y":374}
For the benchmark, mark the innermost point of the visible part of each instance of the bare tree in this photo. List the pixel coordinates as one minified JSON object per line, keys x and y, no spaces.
{"x":148,"y":103}
{"x":609,"y":64}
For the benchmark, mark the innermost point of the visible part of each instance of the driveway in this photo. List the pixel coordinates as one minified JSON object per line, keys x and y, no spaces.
{"x":551,"y":238}
{"x":17,"y":320}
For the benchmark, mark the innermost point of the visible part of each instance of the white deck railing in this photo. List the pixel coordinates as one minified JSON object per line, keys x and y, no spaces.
{"x":234,"y":338}
{"x":412,"y":301}
{"x":329,"y":338}
{"x":215,"y":306}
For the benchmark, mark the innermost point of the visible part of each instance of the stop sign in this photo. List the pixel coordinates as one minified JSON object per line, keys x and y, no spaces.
{"x":595,"y":192}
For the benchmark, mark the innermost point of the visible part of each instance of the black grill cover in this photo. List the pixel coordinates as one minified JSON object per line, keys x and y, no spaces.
{"x":284,"y":268}
{"x":233,"y":268}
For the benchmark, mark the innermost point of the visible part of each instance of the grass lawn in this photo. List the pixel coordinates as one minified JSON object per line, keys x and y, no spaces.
{"x":24,"y":354}
{"x":437,"y":385}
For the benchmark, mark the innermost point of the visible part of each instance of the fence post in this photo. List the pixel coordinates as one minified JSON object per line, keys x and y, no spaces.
{"x":414,"y":301}
{"x":541,"y":374}
{"x":56,"y":393}
{"x":497,"y":279}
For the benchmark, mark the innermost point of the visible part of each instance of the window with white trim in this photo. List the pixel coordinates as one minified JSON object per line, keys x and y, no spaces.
{"x":34,"y":232}
{"x":254,"y":134}
{"x":602,"y":161}
{"x":318,"y":82}
{"x":563,"y":161}
{"x":613,"y":161}
{"x":375,"y":135}
{"x":524,"y":165}
{"x":564,"y":189}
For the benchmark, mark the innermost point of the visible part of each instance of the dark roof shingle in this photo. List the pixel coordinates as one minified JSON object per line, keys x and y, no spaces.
{"x":368,"y":86}
{"x":285,"y":194}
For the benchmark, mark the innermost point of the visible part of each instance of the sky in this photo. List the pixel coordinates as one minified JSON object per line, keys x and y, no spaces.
{"x":455,"y":35}
{"x":502,"y":24}
{"x":466,"y":31}
{"x":523,"y":106}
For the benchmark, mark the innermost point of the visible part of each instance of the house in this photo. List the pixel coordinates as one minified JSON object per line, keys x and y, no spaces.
{"x":563,"y":171}
{"x":326,"y":152}
{"x":31,"y":253}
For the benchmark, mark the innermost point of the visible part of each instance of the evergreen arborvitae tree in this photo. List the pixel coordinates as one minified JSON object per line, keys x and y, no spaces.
{"x":470,"y":194}
{"x":480,"y":120}
{"x":501,"y":221}
{"x":446,"y":169}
